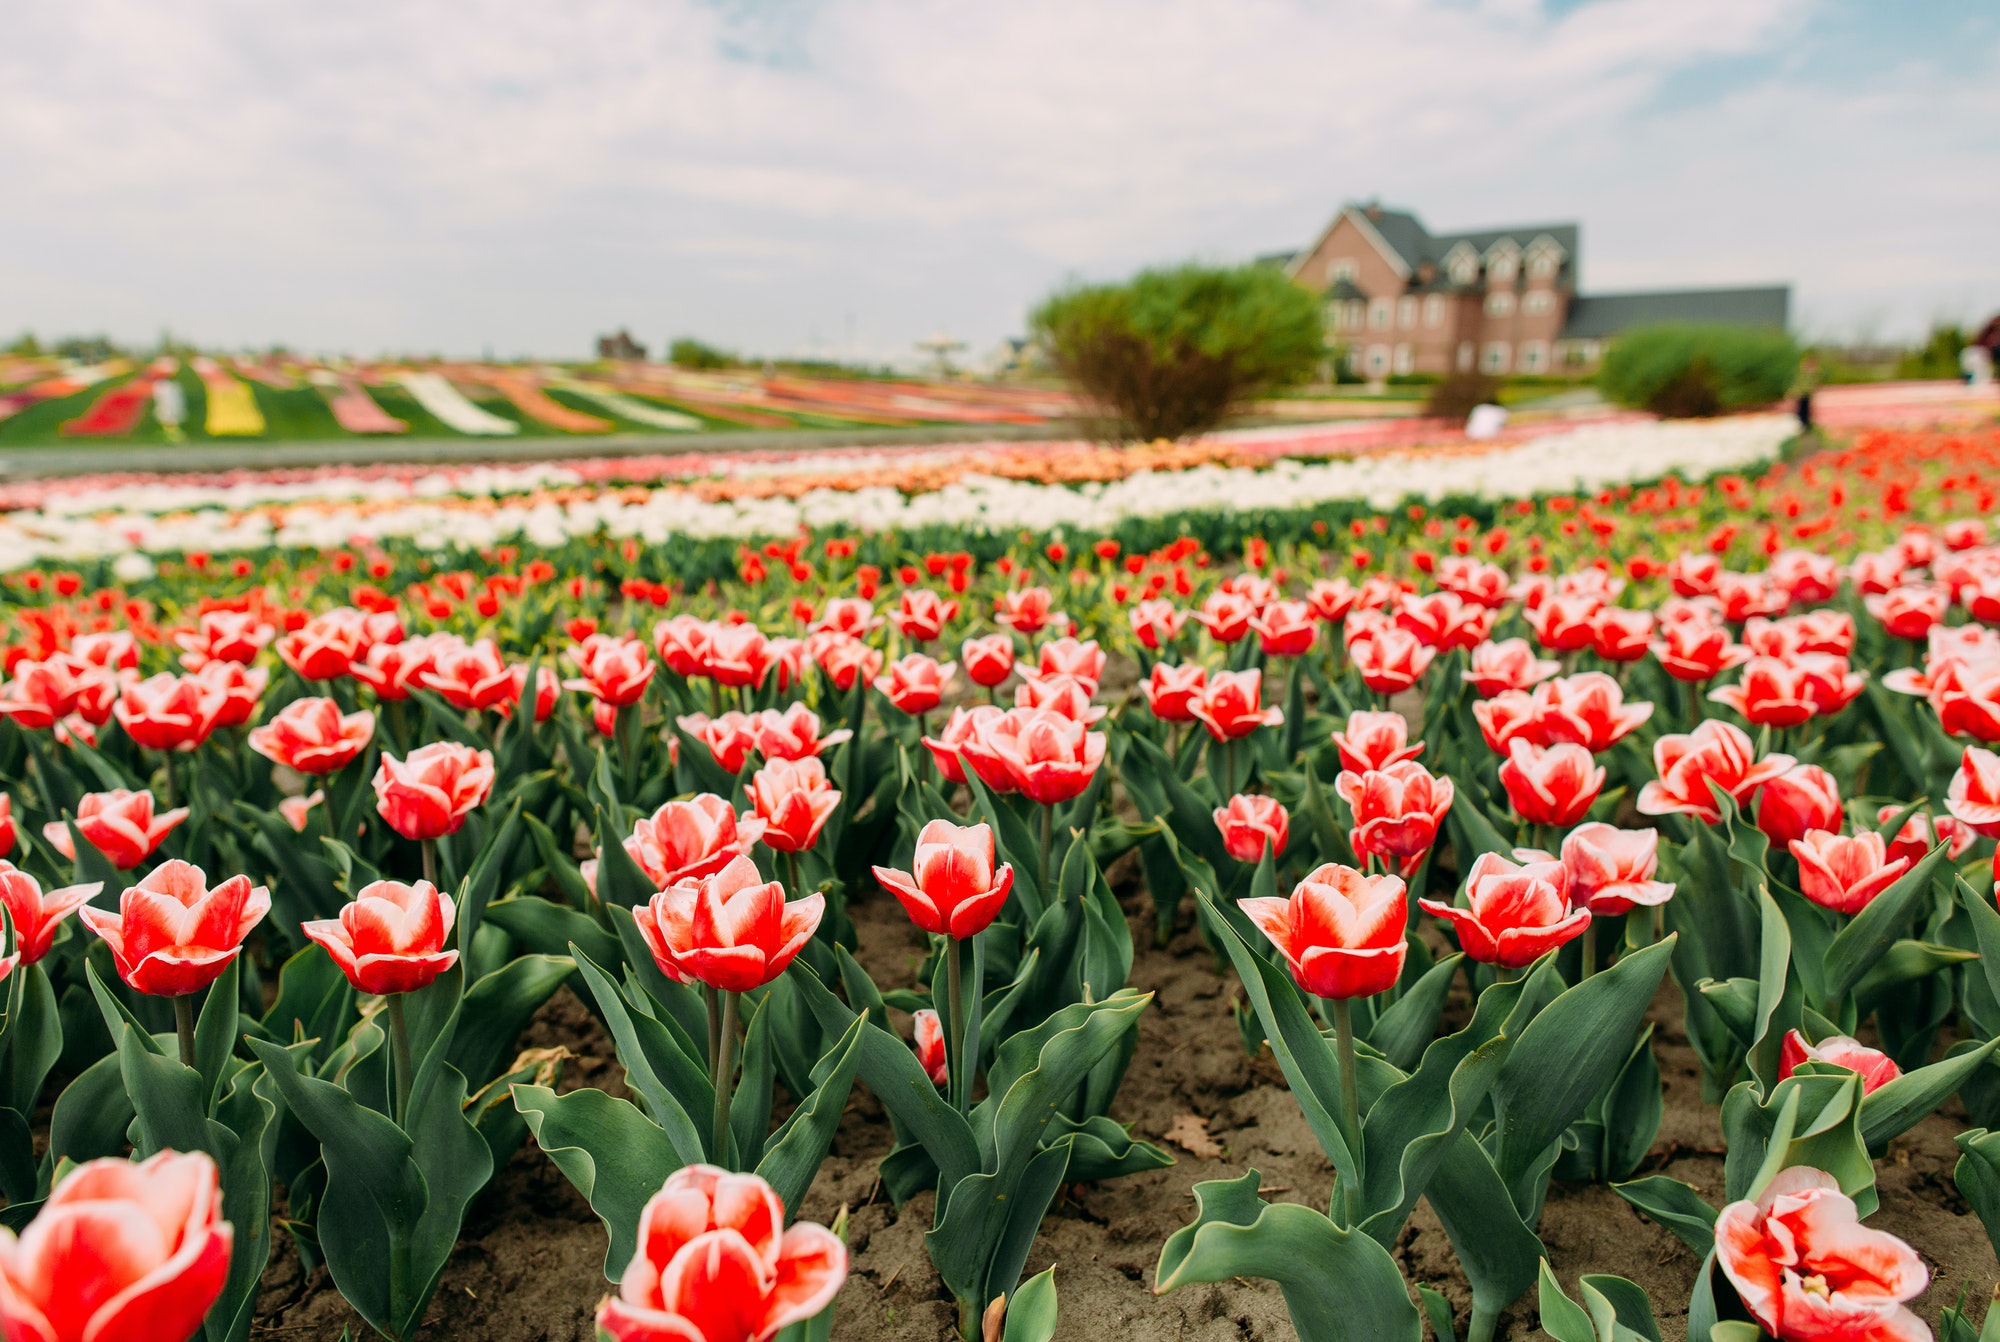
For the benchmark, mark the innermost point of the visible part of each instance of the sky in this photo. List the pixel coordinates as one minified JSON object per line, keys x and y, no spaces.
{"x":841,"y":178}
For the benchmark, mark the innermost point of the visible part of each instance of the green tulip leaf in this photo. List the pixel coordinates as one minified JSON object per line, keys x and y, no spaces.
{"x":614,"y":1155}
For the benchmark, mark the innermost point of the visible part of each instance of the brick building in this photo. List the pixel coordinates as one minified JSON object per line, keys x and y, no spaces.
{"x":1401,"y":299}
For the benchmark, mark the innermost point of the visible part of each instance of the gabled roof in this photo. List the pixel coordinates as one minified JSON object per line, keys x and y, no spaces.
{"x":1408,"y":246}
{"x":1596,"y":316}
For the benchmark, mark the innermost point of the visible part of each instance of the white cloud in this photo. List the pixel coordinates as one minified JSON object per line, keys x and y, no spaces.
{"x":455,"y":175}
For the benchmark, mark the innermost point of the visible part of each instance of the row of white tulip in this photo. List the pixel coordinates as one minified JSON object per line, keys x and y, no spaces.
{"x":484,"y":507}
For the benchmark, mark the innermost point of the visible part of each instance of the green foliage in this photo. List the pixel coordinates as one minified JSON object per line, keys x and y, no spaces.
{"x":1172,"y":352}
{"x":1689,"y":371}
{"x":1937,"y":357}
{"x":687,"y":352}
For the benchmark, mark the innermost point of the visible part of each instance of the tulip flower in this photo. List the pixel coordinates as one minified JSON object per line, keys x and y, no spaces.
{"x":923,"y":615}
{"x":121,"y":1251}
{"x":730,"y":930}
{"x":963,"y":728}
{"x":392,"y":670}
{"x":295,"y":810}
{"x":687,"y":840}
{"x":1967,"y":700}
{"x":1062,"y":694}
{"x":792,"y":734}
{"x":1974,"y":794}
{"x":1743,"y":595}
{"x":40,"y":694}
{"x":119,"y":824}
{"x":239,"y":686}
{"x":1693,"y":574}
{"x":313,"y":736}
{"x":1516,"y":912}
{"x":1250,"y":825}
{"x":1828,"y":683}
{"x":329,"y":645}
{"x":1621,"y":635}
{"x":739,"y":656}
{"x":169,"y":712}
{"x":429,"y":794}
{"x":37,"y":915}
{"x":1390,"y":660}
{"x":1563,"y":623}
{"x":1228,"y":705}
{"x":1806,"y":1268}
{"x":1771,"y":694}
{"x":1843,"y":874}
{"x":1171,"y":690}
{"x":613,"y":671}
{"x":682,"y":643}
{"x":794,"y":799}
{"x":471,"y":677}
{"x":1922,"y":830}
{"x":1157,"y":623}
{"x":8,"y":832}
{"x":224,"y":636}
{"x":1443,"y":620}
{"x":1226,"y":615}
{"x":989,"y":660}
{"x":1341,"y":932}
{"x":1875,"y":1067}
{"x":1285,"y":629}
{"x":1714,"y":754}
{"x":1697,"y":650}
{"x":1331,"y":599}
{"x":1374,"y":741}
{"x":1051,"y":758}
{"x":954,"y":889}
{"x":1803,"y":797}
{"x":1611,"y":869}
{"x":1587,"y":709}
{"x":390,"y":938}
{"x":98,"y":692}
{"x":1552,"y":785}
{"x":1909,"y":612}
{"x":172,"y":935}
{"x":927,"y":1032}
{"x":1025,"y":609}
{"x":1396,"y":810}
{"x":849,"y":615}
{"x":843,"y":659}
{"x":915,"y":684}
{"x":1068,"y":657}
{"x":716,"y":1263}
{"x":730,"y":738}
{"x":1507,"y":665}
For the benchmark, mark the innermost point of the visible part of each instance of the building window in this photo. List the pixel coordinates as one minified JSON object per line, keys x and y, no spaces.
{"x":1357,"y":314}
{"x":1378,"y":361}
{"x":1464,"y":270}
{"x":1497,"y":356}
{"x":1534,"y":356}
{"x":1501,"y":267}
{"x":1466,"y":354}
{"x":1341,"y":269}
{"x":1500,"y":303}
{"x":1406,"y":312}
{"x":1542,"y":265}
{"x":1406,"y":358}
{"x":1538,"y":301}
{"x":1434,"y":310}
{"x":1379,"y":313}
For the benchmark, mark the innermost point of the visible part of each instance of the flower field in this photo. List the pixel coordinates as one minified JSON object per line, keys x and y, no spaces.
{"x":47,"y":400}
{"x":1295,"y":883}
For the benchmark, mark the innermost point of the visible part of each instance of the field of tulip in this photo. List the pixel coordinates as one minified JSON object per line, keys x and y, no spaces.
{"x":1568,"y":911}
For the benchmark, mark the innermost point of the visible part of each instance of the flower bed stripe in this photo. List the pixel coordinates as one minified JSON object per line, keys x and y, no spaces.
{"x":436,"y":395}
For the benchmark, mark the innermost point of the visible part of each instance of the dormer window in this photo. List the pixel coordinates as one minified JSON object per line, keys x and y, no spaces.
{"x":1502,"y":268}
{"x":1542,"y":267}
{"x":1343,"y":268}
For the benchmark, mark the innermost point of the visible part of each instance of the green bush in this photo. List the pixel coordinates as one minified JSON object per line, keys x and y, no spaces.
{"x":687,"y":352}
{"x":1689,"y":371}
{"x":1938,"y":358}
{"x":1173,"y":352}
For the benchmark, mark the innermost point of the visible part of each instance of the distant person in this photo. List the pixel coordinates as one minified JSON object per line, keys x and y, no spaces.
{"x":1978,"y":358}
{"x":1806,"y":384}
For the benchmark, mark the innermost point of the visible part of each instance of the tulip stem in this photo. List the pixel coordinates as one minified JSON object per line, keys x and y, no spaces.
{"x":954,"y":1019}
{"x":725,"y":1060}
{"x":399,"y":1037}
{"x":1228,"y":770}
{"x":713,"y":1000}
{"x":431,"y":861}
{"x":184,"y":1026}
{"x":1694,"y":700}
{"x":1589,"y":949}
{"x":1350,"y":1103}
{"x":1048,"y":841}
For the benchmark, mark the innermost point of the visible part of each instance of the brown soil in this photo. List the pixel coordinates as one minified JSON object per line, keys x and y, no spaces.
{"x":528,"y":1268}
